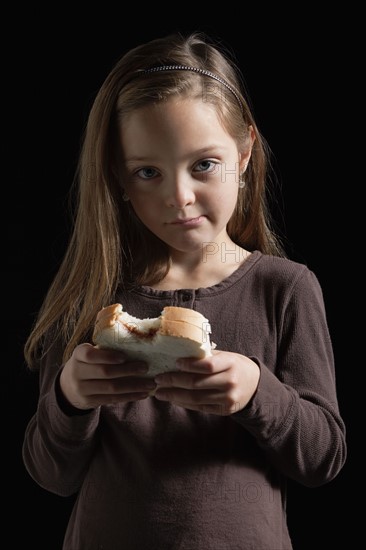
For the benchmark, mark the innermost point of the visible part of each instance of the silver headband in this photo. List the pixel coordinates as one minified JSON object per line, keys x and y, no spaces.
{"x":195,"y":70}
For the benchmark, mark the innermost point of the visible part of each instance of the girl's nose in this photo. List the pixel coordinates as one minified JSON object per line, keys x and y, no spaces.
{"x":179,"y":192}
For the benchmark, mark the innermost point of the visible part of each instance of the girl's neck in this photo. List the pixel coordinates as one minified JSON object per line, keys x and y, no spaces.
{"x":213,"y":265}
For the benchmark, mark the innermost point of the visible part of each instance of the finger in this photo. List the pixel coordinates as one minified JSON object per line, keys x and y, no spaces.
{"x":193,"y":381}
{"x":87,"y":353}
{"x":215,"y":363}
{"x":110,"y":371}
{"x":117,"y":386}
{"x":205,"y":401}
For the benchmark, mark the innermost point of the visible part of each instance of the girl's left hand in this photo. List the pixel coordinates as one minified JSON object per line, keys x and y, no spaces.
{"x":221,"y":384}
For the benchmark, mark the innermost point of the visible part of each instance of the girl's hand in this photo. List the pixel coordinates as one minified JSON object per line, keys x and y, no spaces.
{"x":222,"y":384}
{"x":93,"y":377}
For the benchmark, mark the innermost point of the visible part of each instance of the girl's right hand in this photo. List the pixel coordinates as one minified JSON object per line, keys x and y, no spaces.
{"x":93,"y":377}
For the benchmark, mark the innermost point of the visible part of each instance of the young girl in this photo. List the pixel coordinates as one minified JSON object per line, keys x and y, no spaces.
{"x":172,"y":211}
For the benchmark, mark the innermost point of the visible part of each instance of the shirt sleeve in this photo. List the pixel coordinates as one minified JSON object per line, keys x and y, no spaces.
{"x":294,"y":414}
{"x":58,"y":446}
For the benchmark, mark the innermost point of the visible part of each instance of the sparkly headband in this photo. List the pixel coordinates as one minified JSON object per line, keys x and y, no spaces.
{"x":195,"y":70}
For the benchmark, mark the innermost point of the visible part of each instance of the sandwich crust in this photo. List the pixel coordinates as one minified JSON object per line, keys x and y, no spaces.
{"x":173,"y":321}
{"x":177,"y":332}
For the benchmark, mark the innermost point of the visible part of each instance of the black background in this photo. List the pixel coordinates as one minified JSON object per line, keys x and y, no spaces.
{"x":303,"y":77}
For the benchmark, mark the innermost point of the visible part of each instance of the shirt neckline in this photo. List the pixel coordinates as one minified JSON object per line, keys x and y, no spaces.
{"x":223,"y":285}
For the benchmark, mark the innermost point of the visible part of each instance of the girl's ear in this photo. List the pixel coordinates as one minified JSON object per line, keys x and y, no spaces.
{"x":246,"y":154}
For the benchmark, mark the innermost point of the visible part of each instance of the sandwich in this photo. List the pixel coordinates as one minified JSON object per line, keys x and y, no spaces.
{"x":160,"y":341}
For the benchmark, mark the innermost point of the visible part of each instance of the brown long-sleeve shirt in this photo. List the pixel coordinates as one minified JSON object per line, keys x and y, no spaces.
{"x":151,"y":475}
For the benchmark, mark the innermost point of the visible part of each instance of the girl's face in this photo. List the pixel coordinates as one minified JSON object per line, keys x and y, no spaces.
{"x":181,"y":172}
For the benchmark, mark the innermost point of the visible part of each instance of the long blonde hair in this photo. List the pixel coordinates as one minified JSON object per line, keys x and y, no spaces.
{"x":109,"y":246}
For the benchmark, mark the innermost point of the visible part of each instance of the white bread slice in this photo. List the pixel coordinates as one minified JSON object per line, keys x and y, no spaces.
{"x":177,"y":332}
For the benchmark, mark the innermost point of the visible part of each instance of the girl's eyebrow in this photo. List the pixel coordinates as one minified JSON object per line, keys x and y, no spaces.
{"x":197,"y":152}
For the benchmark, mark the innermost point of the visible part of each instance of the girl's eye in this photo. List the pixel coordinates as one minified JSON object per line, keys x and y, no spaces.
{"x":206,"y":166}
{"x":147,"y":173}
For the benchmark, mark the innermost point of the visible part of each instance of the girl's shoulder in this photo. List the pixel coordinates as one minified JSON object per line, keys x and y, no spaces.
{"x":268,"y":267}
{"x":259,"y":264}
{"x":285,"y":274}
{"x":280,"y":266}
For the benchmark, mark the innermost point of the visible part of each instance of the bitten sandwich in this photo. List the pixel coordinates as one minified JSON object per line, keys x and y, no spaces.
{"x":160,"y":341}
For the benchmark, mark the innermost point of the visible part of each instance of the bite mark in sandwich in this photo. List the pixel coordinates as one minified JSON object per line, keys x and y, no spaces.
{"x":160,"y":341}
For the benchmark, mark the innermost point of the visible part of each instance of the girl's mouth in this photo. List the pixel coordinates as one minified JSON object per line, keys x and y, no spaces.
{"x":188,"y":222}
